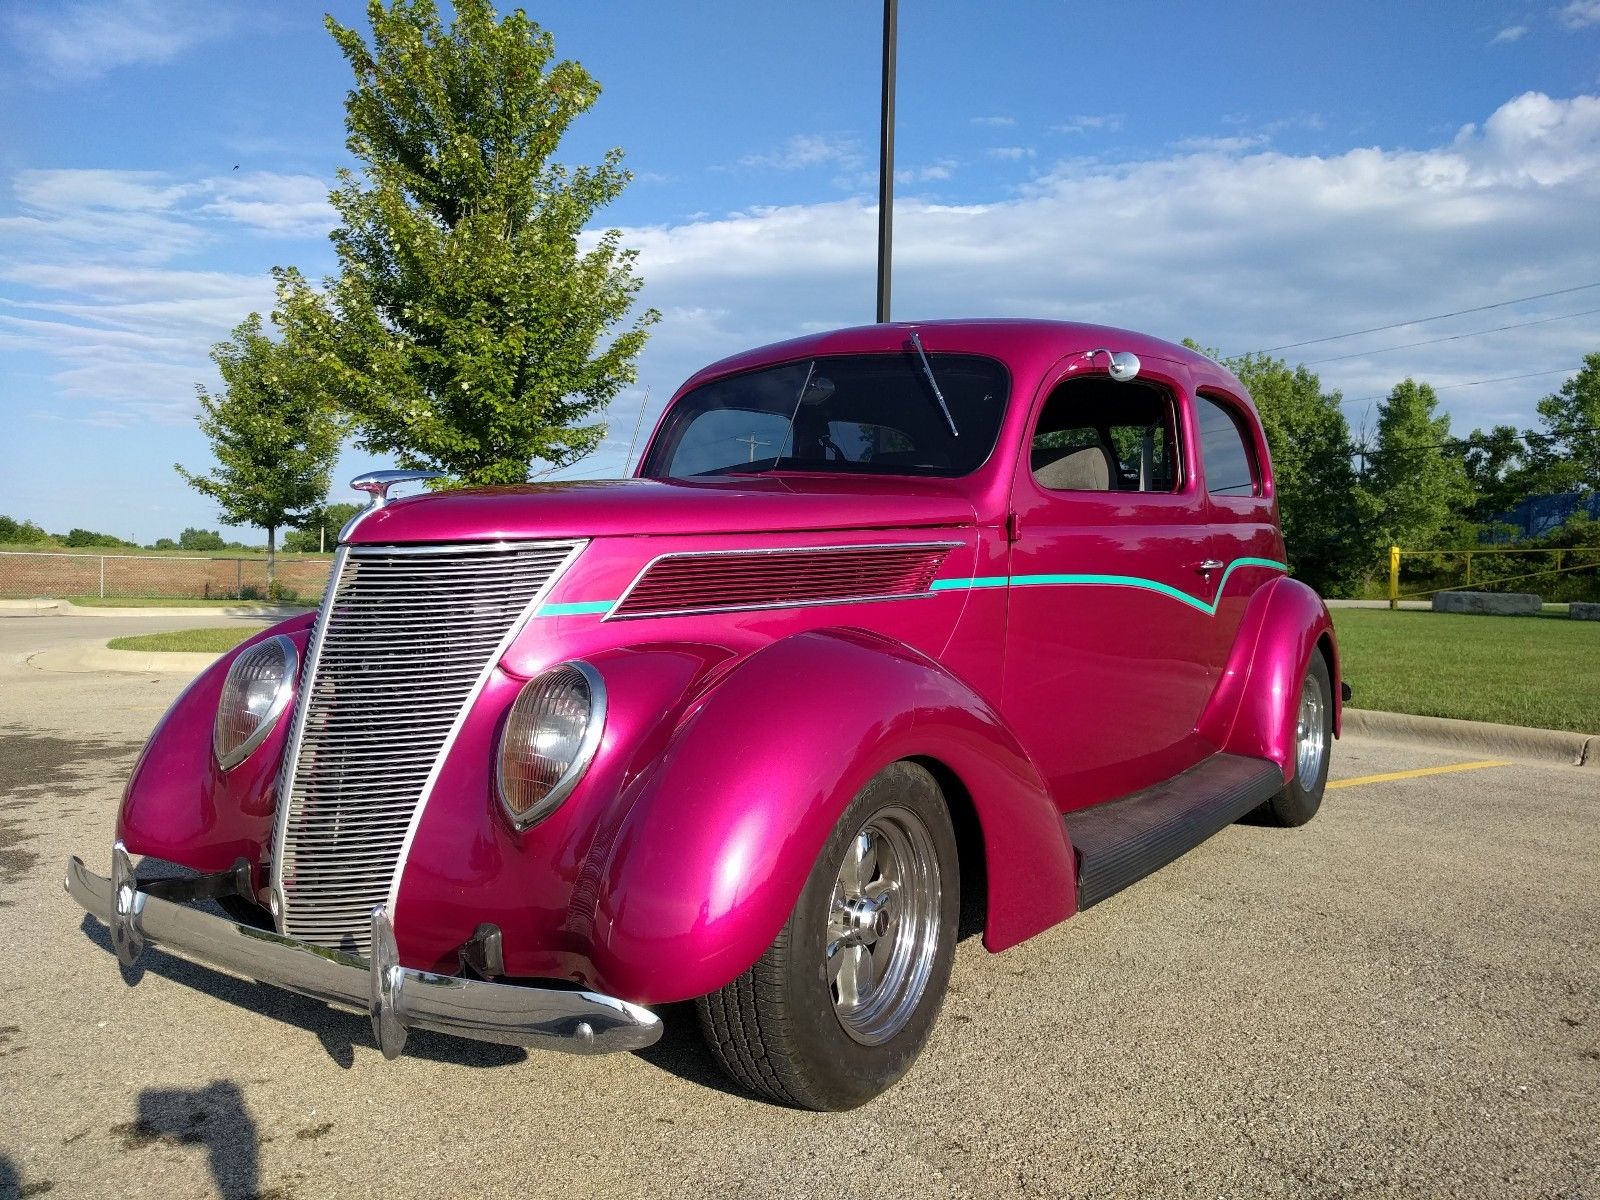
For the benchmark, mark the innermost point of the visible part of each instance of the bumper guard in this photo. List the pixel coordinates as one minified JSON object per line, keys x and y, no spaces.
{"x":396,"y":998}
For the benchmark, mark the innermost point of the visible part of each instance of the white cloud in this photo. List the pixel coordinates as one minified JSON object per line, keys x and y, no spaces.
{"x":1580,"y":14}
{"x":90,"y":285}
{"x":806,"y":150}
{"x":993,"y":122}
{"x":1510,"y":33}
{"x":927,"y":173}
{"x":1011,"y":153}
{"x":1235,"y":144}
{"x":90,"y":37}
{"x":1084,"y":123}
{"x":1238,"y":251}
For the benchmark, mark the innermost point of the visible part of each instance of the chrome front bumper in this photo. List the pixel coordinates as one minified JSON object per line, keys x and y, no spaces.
{"x":396,"y":998}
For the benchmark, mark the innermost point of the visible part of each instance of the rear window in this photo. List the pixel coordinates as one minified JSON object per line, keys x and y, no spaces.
{"x":851,"y":414}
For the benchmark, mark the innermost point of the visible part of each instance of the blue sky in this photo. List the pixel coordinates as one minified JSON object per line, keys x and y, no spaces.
{"x":1253,"y":177}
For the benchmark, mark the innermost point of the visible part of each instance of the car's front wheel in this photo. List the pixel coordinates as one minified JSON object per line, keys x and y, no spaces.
{"x":844,"y":999}
{"x":1313,"y":737}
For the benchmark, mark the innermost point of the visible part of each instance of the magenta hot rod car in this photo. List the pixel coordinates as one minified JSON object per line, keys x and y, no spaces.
{"x":884,"y":612}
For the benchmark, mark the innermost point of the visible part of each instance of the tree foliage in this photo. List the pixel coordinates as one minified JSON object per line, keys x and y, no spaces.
{"x":1417,"y":474}
{"x":322,"y":530}
{"x":1565,"y":454}
{"x":463,"y":332}
{"x":23,"y":533}
{"x":272,"y":431}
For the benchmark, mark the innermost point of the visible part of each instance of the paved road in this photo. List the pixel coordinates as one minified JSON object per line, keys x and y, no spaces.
{"x":1397,"y":1000}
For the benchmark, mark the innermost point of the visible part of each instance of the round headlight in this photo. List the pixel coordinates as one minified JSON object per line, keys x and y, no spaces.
{"x":551,"y":733}
{"x":254,"y":695}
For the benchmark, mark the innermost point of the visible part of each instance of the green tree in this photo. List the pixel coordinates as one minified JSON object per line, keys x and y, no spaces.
{"x":322,"y":530}
{"x":1566,"y":452}
{"x":272,"y":431}
{"x":1496,"y":468}
{"x":165,"y":544}
{"x":23,"y":533}
{"x":86,"y":538}
{"x":1416,"y":474}
{"x":463,"y":333}
{"x":200,"y":539}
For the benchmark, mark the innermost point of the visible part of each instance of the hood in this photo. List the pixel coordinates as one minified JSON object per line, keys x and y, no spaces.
{"x":644,"y":507}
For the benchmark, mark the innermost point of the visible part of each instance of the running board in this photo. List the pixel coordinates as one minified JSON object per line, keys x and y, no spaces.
{"x":1122,"y":841}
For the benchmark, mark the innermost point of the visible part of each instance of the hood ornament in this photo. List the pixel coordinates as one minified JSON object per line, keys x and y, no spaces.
{"x":376,"y":484}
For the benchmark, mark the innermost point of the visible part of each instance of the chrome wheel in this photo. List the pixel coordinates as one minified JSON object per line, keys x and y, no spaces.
{"x":883,"y":926}
{"x":1310,"y":735}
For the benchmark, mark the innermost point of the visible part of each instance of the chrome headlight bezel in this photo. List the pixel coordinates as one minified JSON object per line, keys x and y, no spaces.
{"x":566,"y":674}
{"x":289,"y":665}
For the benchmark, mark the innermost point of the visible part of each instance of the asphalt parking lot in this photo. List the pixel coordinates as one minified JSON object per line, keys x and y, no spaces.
{"x":1399,"y":999}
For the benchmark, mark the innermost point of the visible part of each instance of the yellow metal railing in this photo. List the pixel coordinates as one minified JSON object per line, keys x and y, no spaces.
{"x":1558,"y":553}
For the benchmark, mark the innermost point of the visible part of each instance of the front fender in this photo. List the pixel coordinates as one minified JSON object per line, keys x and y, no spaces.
{"x":1255,"y":706}
{"x":178,"y":805}
{"x":717,"y":839}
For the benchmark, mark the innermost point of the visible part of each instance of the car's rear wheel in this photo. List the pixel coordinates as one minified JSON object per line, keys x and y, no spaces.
{"x":1313,"y":736}
{"x":844,"y":999}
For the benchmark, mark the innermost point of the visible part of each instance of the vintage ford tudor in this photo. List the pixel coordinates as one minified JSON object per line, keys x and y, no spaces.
{"x":885,"y":612}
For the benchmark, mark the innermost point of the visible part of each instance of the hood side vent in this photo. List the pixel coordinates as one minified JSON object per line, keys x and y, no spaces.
{"x":730,"y":581}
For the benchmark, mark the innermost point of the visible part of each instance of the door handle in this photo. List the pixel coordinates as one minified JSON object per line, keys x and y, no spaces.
{"x":1206,"y":566}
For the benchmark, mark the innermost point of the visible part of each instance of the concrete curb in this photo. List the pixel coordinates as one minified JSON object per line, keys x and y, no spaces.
{"x":65,"y":608}
{"x":1550,"y":746}
{"x":96,"y":656}
{"x":32,"y":608}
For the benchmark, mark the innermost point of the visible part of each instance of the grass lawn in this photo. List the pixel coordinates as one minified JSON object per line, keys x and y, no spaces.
{"x":179,"y":602}
{"x":1537,"y":671}
{"x":190,"y":641}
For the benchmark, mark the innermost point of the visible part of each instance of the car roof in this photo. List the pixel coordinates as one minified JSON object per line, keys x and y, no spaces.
{"x":1013,"y":340}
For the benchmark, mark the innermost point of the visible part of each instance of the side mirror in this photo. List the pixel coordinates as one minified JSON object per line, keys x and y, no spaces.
{"x":1121,"y":365}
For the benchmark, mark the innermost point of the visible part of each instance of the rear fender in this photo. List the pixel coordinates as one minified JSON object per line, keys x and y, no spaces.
{"x":717,"y":839}
{"x":1254,"y":709}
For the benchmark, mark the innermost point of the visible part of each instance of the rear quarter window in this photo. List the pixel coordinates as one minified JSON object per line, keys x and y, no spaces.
{"x":1225,"y":449}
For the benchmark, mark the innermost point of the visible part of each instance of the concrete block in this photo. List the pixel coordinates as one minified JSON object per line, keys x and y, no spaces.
{"x":1505,"y":604}
{"x":1579,"y":611}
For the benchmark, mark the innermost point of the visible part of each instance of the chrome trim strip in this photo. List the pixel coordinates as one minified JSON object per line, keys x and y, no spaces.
{"x":506,"y":1014}
{"x":269,"y":722}
{"x":613,"y":615}
{"x":580,"y":762}
{"x":291,"y":750}
{"x":517,"y":626}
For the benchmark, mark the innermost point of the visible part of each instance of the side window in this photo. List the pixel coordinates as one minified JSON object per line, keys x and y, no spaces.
{"x":1225,"y":449}
{"x":1097,"y":435}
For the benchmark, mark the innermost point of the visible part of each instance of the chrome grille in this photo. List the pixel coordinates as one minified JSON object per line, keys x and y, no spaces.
{"x":404,"y":641}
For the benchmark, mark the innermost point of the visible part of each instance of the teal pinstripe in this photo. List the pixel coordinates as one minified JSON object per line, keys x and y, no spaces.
{"x":580,"y":608}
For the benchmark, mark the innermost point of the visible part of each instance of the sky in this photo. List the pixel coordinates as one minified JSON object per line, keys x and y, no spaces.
{"x":1252,"y":175}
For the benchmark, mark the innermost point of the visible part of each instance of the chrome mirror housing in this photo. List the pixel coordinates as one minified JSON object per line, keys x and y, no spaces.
{"x":1121,"y":365}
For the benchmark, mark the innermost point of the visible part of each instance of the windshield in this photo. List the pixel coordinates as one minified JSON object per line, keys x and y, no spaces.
{"x":853,"y":413}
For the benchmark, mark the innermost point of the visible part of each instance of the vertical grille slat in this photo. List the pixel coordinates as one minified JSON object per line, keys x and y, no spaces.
{"x":400,"y":649}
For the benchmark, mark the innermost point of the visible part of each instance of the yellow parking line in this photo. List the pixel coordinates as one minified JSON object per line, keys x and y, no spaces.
{"x":1416,"y":774}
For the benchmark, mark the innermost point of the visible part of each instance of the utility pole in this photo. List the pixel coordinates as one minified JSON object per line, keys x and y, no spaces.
{"x":891,"y":11}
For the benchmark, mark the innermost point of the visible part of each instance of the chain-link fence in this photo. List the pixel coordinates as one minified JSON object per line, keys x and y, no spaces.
{"x":29,"y":574}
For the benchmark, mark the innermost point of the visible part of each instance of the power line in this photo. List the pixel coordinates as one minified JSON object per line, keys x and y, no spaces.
{"x":1455,"y":337}
{"x":1469,"y":442}
{"x":1450,"y":387}
{"x":1460,"y":312}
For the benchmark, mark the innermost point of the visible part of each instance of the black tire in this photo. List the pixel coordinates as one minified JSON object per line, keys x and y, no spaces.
{"x":1300,"y":798}
{"x":777,"y":1029}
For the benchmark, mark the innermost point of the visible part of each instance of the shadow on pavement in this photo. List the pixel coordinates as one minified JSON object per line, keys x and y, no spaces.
{"x":214,"y":1117}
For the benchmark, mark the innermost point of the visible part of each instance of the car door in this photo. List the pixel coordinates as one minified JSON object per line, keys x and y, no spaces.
{"x":1243,"y":537}
{"x":1109,"y":660}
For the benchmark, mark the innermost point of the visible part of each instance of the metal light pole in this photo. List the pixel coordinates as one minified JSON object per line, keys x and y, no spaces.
{"x":891,"y":12}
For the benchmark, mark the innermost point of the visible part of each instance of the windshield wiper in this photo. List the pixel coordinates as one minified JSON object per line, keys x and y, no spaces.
{"x":927,"y":369}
